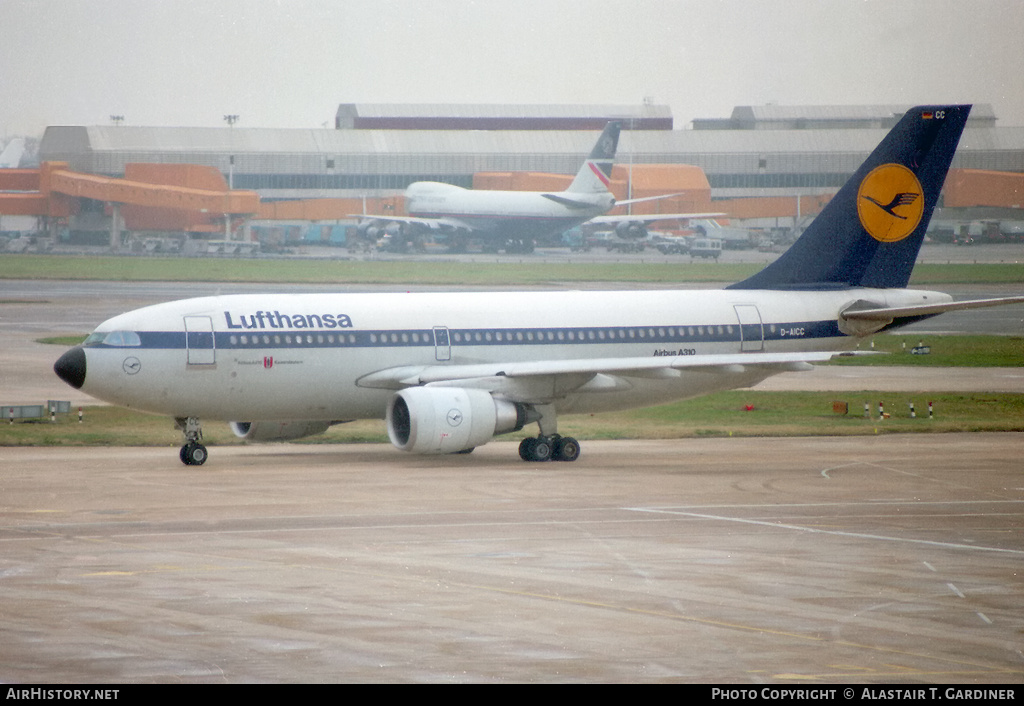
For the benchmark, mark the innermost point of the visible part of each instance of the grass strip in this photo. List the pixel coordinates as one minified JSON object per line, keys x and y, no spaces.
{"x":719,"y":415}
{"x":532,"y":270}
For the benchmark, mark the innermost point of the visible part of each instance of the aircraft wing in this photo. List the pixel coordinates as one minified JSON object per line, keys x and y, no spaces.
{"x":546,"y":380}
{"x":432,"y":223}
{"x":649,"y":217}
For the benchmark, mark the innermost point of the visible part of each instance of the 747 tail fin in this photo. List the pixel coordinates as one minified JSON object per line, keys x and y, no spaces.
{"x":869,"y":234}
{"x":596,"y":173}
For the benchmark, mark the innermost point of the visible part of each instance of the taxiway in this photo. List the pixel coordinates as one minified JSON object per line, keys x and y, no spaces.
{"x":887,"y":560}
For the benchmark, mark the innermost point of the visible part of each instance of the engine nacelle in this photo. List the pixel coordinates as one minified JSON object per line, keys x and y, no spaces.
{"x":631,"y":230}
{"x":370,"y":230}
{"x":278,"y":431}
{"x":444,"y":420}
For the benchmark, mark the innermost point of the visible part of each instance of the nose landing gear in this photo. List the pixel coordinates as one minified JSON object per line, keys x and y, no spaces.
{"x":193,"y":453}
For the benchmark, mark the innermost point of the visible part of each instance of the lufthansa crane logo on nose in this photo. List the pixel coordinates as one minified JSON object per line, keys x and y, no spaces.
{"x":890,"y":203}
{"x":454,"y":417}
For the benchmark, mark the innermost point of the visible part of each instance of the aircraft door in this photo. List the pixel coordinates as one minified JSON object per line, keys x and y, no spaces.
{"x":199,"y":340}
{"x":751,"y":328}
{"x":442,"y":343}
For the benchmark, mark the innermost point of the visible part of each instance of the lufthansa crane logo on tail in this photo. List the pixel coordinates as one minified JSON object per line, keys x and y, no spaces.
{"x":890,"y":203}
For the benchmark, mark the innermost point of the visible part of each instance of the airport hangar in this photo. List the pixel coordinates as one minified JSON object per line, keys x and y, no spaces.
{"x":752,"y":165}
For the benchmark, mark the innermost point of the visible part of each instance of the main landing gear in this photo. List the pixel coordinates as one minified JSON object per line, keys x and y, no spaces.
{"x":193,"y":453}
{"x":549,"y":448}
{"x":549,"y":445}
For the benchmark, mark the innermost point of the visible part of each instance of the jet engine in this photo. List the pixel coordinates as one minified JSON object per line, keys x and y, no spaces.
{"x":370,"y":230}
{"x":631,"y":230}
{"x":278,"y":431}
{"x":444,"y":420}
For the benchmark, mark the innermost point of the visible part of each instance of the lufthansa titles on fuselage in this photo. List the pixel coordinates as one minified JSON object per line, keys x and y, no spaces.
{"x":277,"y":320}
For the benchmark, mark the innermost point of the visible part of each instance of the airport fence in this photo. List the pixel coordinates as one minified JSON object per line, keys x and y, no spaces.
{"x":35,"y":411}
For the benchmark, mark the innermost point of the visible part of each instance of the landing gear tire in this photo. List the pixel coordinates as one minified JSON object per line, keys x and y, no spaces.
{"x":542,"y":448}
{"x":193,"y":454}
{"x":566,"y":449}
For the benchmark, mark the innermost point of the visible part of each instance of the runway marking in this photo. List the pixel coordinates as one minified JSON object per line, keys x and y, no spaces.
{"x":878,"y":466}
{"x":870,"y":503}
{"x":838,"y":533}
{"x":105,"y":531}
{"x":170,"y":570}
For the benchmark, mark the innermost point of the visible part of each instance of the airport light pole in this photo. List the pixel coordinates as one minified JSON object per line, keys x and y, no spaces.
{"x":230,"y":120}
{"x":629,"y":193}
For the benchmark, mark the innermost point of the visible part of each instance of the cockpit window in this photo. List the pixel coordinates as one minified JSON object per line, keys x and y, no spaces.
{"x":121,"y":339}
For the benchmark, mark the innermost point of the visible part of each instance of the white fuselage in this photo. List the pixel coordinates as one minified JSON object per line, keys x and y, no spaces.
{"x":511,"y":213}
{"x":311,"y":357}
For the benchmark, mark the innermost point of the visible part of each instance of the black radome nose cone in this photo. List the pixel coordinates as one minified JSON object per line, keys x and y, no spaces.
{"x":70,"y":367}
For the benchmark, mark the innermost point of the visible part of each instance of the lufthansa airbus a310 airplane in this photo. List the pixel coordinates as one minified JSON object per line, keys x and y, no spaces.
{"x":449,"y":372}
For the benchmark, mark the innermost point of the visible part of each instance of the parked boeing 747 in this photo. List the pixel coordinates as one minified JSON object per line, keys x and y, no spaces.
{"x":513,"y":220}
{"x":449,"y":372}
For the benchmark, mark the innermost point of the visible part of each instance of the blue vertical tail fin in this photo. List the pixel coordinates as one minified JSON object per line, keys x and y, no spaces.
{"x":869,"y":234}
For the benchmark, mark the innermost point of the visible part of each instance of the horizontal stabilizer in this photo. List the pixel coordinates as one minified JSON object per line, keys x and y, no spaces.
{"x":569,"y":203}
{"x":897,"y":312}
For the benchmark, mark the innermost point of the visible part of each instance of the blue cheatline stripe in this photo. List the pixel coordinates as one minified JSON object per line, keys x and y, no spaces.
{"x":674,"y":335}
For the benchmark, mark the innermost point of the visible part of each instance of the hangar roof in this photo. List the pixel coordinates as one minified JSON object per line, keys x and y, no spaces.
{"x":490,"y":110}
{"x":106,"y":149}
{"x":980,"y":111}
{"x":797,"y":117}
{"x":61,"y":141}
{"x":483,"y":116}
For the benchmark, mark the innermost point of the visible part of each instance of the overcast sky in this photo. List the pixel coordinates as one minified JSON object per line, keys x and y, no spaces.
{"x":289,"y":63}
